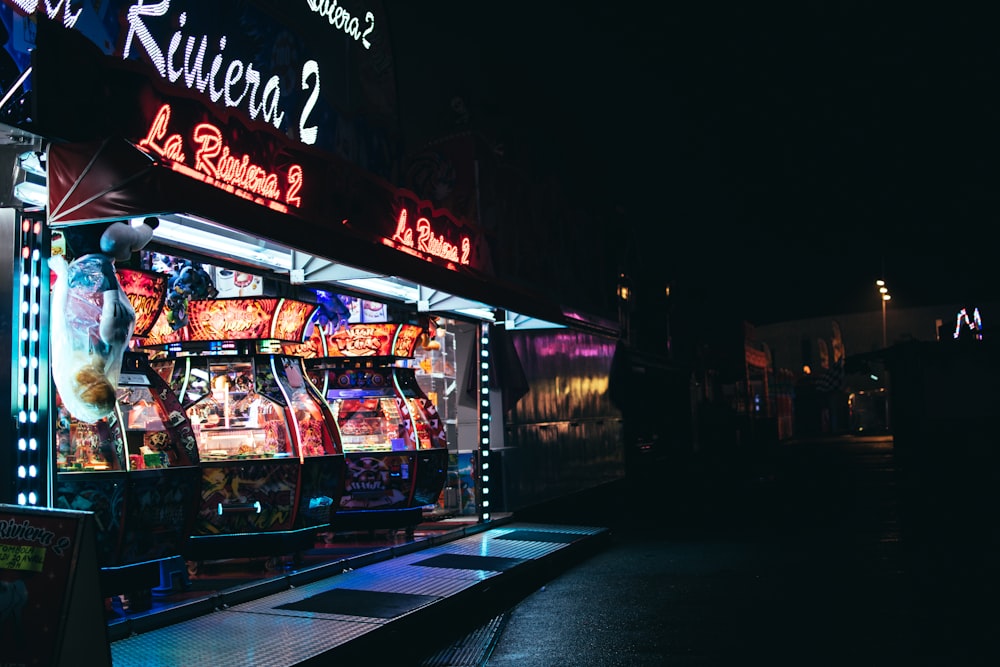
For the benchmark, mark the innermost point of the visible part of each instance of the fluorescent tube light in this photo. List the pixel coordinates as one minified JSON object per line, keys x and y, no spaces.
{"x":483,"y":313}
{"x":385,"y":287}
{"x":32,"y":193}
{"x":201,"y":240}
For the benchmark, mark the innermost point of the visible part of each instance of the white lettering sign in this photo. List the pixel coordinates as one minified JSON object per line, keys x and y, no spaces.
{"x":51,"y":10}
{"x":341,"y":19}
{"x":236,"y":83}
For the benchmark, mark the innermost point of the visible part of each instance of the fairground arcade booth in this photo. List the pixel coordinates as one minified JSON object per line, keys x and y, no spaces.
{"x":222,"y":127}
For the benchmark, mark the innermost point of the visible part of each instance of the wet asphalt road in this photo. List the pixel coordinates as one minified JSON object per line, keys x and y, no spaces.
{"x":822,"y":554}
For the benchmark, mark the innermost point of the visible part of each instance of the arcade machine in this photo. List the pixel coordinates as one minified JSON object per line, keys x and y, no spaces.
{"x":393,"y":439}
{"x":272,"y":468}
{"x":136,"y":470}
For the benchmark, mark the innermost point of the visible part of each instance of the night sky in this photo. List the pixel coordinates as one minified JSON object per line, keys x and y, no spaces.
{"x":772,"y":162}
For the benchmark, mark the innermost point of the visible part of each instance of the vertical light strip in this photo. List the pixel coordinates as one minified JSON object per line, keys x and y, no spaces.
{"x":484,"y":421}
{"x":31,"y":391}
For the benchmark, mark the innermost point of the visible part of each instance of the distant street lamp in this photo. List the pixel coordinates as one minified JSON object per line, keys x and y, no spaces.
{"x":884,"y":292}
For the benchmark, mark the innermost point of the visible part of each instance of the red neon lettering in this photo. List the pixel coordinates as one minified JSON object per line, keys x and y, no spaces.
{"x":294,"y":185}
{"x":430,"y":243}
{"x":403,"y":233}
{"x":173,"y":147}
{"x":466,"y":249}
{"x":213,"y":158}
{"x":210,"y":139}
{"x":435,"y":245}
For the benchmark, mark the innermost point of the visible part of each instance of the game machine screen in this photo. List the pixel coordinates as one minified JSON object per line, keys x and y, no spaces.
{"x":393,"y":440}
{"x":137,"y":469}
{"x":270,"y":452}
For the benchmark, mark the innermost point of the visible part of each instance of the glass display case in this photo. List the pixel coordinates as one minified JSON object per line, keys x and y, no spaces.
{"x":231,"y":420}
{"x":434,"y":370}
{"x":369,"y":424}
{"x":269,"y":448}
{"x":147,"y":430}
{"x":251,"y":407}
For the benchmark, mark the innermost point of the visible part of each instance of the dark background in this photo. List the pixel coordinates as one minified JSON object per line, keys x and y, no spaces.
{"x":770,"y":162}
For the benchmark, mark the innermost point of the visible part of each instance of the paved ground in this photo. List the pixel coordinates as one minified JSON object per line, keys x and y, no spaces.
{"x":818,"y":556}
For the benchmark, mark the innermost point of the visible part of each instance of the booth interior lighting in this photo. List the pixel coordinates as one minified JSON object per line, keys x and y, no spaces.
{"x":219,"y":242}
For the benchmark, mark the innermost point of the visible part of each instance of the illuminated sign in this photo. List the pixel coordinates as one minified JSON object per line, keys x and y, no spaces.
{"x":433,"y":234}
{"x":214,"y":162}
{"x":289,"y":322}
{"x":263,"y":60}
{"x":235,"y":82}
{"x":237,"y":319}
{"x":360,"y":340}
{"x":171,"y":85}
{"x":69,"y":17}
{"x":341,"y":19}
{"x":383,"y":339}
{"x":975,"y":324}
{"x":371,"y":340}
{"x":421,"y":236}
{"x":231,"y":319}
{"x":145,"y":291}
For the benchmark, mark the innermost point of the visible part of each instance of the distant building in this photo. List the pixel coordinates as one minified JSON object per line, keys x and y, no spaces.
{"x":852,"y":398}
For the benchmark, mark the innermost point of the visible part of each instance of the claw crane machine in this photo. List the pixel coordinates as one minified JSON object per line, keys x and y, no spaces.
{"x":271,"y":459}
{"x":394,"y":440}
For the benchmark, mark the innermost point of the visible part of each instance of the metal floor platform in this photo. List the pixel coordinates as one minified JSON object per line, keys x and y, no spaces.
{"x":311,"y":617}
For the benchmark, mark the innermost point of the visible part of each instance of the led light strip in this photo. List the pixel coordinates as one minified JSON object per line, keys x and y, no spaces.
{"x":484,"y":421}
{"x":31,"y":392}
{"x":192,"y":238}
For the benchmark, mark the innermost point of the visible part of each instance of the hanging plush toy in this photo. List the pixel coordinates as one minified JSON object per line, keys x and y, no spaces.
{"x":188,"y":281}
{"x":92,"y":319}
{"x":331,"y":310}
{"x":429,"y":333}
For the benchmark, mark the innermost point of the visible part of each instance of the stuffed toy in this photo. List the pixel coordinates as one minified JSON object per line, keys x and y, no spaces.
{"x":429,"y":333}
{"x":188,"y":281}
{"x":92,"y":319}
{"x":331,"y":311}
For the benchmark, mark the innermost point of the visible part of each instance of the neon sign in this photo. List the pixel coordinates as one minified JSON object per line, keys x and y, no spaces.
{"x":341,"y":19}
{"x":216,"y":164}
{"x":975,"y":324}
{"x":422,"y":237}
{"x":69,"y":17}
{"x":234,"y":82}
